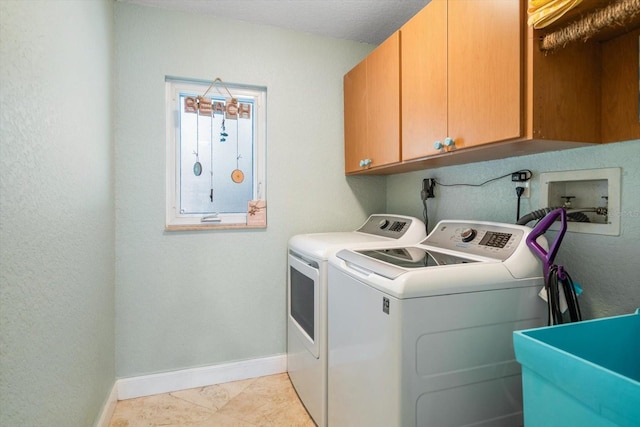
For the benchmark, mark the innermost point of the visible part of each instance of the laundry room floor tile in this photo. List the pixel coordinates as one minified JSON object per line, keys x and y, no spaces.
{"x":264,"y":401}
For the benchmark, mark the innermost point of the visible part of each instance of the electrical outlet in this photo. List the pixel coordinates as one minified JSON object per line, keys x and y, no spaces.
{"x":520,"y":176}
{"x":527,"y":191}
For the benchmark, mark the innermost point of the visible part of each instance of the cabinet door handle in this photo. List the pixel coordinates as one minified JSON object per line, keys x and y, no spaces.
{"x":449,"y":142}
{"x":365,"y":162}
{"x":438,"y":145}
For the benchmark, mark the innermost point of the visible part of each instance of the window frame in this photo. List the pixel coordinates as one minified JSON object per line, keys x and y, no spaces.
{"x":176,"y":221}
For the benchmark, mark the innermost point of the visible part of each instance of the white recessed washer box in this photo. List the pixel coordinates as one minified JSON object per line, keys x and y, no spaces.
{"x":588,"y":188}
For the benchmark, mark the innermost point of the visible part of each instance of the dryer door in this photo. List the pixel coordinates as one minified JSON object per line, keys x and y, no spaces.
{"x":304,"y":300}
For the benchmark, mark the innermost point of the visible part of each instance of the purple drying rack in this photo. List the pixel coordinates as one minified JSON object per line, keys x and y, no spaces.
{"x":548,"y":257}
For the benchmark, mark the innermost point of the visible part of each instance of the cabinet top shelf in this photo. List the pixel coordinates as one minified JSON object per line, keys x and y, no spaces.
{"x":598,"y":20}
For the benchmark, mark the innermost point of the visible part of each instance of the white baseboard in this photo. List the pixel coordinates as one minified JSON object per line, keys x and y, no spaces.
{"x":167,"y":382}
{"x":109,"y":406}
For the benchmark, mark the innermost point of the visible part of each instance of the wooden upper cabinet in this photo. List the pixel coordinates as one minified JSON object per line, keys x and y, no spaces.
{"x":424,"y":81}
{"x":620,"y":108}
{"x":461,"y":75}
{"x":472,"y":71}
{"x":372,"y":109}
{"x":485,"y":71}
{"x":383,"y":80}
{"x":355,"y":116}
{"x":564,"y":91}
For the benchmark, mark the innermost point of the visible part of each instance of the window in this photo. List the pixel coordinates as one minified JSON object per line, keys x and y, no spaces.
{"x":216,"y":138}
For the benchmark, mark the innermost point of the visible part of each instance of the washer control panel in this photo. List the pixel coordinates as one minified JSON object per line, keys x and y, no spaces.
{"x":491,"y":240}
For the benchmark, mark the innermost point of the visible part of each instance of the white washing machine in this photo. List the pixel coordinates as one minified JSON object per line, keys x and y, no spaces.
{"x":307,"y":298}
{"x":422,"y":335}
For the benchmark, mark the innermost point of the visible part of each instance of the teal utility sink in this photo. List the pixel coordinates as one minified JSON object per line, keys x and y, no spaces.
{"x":584,"y":374}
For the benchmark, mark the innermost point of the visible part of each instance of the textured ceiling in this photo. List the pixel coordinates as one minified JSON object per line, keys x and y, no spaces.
{"x":369,"y":21}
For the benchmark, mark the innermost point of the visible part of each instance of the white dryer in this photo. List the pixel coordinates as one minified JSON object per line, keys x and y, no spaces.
{"x":307,"y":298}
{"x":422,"y":335}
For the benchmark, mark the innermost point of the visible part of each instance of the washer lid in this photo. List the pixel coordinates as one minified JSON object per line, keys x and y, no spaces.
{"x":397,"y":261}
{"x":321,"y":245}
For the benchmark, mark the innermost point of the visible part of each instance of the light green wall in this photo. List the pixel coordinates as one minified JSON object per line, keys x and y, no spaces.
{"x":606,"y":266}
{"x":56,"y":212}
{"x":186,"y":299}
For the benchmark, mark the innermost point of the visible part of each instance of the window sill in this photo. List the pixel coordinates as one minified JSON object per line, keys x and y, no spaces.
{"x":195,"y":227}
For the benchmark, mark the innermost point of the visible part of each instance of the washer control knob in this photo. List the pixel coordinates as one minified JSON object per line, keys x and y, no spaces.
{"x":468,"y":234}
{"x":384,"y":223}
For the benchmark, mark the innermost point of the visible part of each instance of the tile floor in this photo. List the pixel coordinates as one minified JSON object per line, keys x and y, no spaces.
{"x":264,"y":401}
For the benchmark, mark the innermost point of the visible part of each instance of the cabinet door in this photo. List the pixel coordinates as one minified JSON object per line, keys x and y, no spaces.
{"x":355,"y":117}
{"x":383,"y":90}
{"x":485,"y":71}
{"x":424,"y":80}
